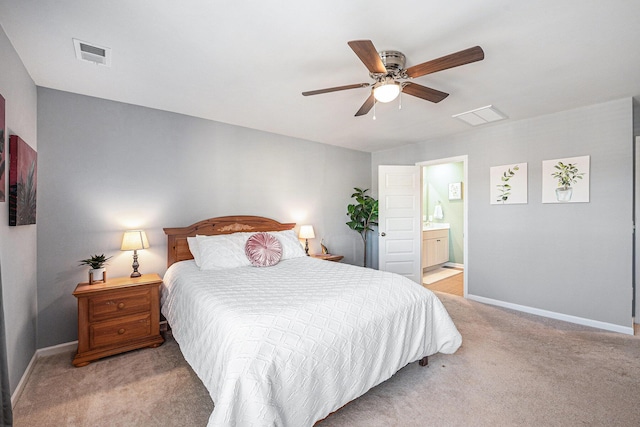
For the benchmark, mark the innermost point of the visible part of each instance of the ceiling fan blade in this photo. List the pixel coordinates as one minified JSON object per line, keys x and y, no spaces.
{"x":335,"y":89}
{"x":369,"y":56}
{"x":367,"y":106}
{"x":463,"y":57}
{"x":424,"y":92}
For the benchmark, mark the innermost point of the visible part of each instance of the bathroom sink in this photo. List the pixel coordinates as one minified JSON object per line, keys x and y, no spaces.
{"x":436,"y":226}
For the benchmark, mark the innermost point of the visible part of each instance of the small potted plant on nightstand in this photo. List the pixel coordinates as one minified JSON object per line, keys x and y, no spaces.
{"x":97,"y":263}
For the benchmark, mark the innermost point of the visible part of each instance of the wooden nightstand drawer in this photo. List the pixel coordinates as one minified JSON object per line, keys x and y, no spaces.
{"x":119,"y":331}
{"x":118,"y":315}
{"x":120,"y":304}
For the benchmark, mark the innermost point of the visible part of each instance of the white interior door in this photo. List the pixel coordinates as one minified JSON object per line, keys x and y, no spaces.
{"x":399,"y":223}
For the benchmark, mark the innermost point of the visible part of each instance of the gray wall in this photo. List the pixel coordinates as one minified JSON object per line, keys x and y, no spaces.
{"x":18,"y":244}
{"x":107,"y":166}
{"x":572,"y":259}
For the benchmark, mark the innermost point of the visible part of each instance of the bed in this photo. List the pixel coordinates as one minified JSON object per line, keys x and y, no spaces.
{"x":290,"y":343}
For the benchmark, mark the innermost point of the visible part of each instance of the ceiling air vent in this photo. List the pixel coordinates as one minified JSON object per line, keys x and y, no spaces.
{"x":92,"y":53}
{"x":480,"y":116}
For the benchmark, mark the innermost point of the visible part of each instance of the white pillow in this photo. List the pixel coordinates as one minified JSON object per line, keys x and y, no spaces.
{"x":223,"y":251}
{"x":291,"y":246}
{"x":195,"y":249}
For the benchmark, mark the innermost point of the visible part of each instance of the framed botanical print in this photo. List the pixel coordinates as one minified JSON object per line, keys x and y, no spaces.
{"x":455,"y":191}
{"x":508,"y":184}
{"x":566,"y":180}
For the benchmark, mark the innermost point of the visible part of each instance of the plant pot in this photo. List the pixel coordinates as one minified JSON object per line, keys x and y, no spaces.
{"x":563,"y":194}
{"x":97,"y":275}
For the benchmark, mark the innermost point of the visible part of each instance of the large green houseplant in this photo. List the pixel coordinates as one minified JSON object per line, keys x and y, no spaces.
{"x":363,"y":215}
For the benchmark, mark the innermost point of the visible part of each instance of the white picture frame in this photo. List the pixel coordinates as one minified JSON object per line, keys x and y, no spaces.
{"x":455,"y":191}
{"x":575,"y":170}
{"x":508,"y":184}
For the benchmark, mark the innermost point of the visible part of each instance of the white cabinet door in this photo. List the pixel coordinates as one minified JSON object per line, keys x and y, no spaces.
{"x":442,"y":250}
{"x":431,"y":248}
{"x":435,"y":248}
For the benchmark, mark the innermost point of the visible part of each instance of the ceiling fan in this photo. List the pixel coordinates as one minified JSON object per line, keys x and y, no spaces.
{"x":390,"y":77}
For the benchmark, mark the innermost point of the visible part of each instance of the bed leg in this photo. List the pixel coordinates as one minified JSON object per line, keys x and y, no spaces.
{"x":424,"y":361}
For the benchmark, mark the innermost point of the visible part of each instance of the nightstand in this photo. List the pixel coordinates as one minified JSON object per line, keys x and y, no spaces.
{"x":328,"y":257}
{"x":119,"y":315}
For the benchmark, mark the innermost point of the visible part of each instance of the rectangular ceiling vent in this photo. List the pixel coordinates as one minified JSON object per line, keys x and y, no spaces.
{"x":480,"y":116}
{"x":93,"y":53}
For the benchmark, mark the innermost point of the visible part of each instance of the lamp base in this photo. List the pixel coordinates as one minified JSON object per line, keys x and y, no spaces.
{"x":135,"y":265}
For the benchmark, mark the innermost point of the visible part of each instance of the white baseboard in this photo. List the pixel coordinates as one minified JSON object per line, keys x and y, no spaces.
{"x":57,"y":349}
{"x":553,"y":315}
{"x":23,"y":381}
{"x":42,"y":352}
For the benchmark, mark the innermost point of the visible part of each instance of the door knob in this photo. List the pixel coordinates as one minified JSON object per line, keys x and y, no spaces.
{"x":383,"y":234}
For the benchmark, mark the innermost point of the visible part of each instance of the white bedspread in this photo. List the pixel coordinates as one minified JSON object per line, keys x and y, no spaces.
{"x":289,"y":344}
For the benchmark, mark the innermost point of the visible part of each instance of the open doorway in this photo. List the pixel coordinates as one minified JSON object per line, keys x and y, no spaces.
{"x":444,"y":221}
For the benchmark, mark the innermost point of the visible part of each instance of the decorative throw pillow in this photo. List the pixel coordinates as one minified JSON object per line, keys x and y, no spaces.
{"x":263,"y":250}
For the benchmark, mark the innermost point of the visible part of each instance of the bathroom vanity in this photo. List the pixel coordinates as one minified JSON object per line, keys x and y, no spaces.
{"x":435,"y":245}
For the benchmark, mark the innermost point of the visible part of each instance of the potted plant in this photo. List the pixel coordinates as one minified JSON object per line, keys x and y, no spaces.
{"x":566,"y":174}
{"x":363,"y":215}
{"x":97,"y":263}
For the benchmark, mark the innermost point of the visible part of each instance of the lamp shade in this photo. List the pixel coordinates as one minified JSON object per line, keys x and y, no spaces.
{"x":306,"y":232}
{"x":134,"y":240}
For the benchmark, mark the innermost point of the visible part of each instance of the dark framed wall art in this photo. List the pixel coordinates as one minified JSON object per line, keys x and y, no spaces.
{"x":23,"y":180}
{"x":3,"y":145}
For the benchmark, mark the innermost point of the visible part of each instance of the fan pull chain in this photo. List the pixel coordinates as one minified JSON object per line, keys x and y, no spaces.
{"x":400,"y":101}
{"x":374,"y":110}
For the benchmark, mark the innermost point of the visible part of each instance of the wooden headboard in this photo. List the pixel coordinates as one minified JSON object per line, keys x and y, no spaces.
{"x":178,"y":248}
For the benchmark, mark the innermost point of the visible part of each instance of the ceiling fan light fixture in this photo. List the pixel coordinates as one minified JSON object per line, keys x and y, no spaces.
{"x":387,"y":69}
{"x":387,"y":91}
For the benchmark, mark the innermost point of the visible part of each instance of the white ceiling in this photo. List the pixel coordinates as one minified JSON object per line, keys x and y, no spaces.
{"x":247,"y":62}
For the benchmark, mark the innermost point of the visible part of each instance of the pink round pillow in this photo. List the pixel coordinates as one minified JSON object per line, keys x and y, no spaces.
{"x":263,"y":250}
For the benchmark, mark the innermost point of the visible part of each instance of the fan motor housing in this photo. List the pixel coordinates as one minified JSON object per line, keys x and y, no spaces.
{"x":393,"y":60}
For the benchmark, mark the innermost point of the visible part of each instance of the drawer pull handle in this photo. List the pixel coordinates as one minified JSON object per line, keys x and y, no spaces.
{"x":121,"y":306}
{"x":120,"y":331}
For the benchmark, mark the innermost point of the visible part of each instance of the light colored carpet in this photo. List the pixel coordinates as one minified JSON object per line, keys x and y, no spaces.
{"x":439,"y":274}
{"x":513,"y":369}
{"x":147,"y":387}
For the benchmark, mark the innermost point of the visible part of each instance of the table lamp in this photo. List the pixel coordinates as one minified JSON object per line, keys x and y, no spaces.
{"x":132,"y":241}
{"x":306,"y":233}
